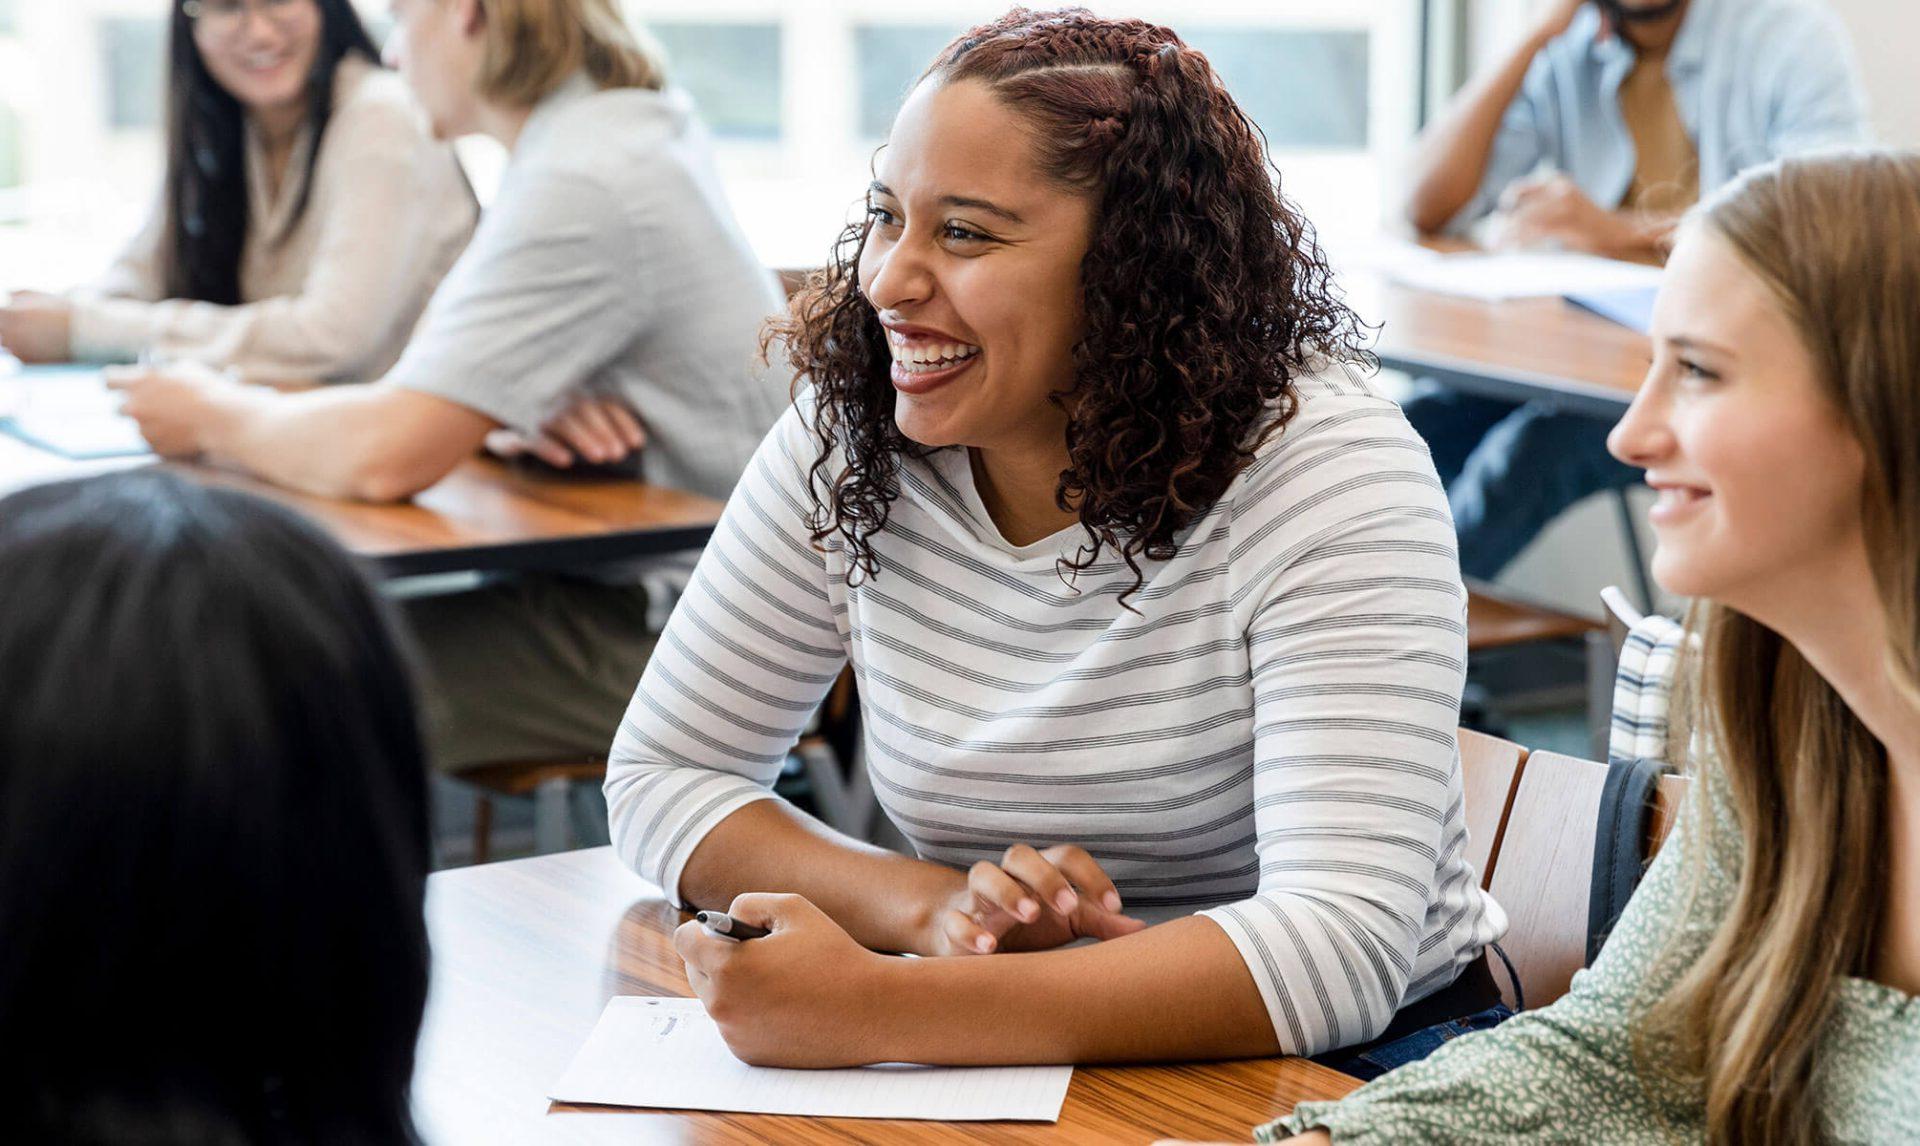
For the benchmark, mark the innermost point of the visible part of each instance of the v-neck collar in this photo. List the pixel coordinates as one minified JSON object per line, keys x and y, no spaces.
{"x":272,"y":212}
{"x":274,"y":209}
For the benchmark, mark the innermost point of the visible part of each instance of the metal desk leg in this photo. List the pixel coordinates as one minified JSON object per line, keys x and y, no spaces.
{"x":1630,"y":534}
{"x":550,"y":830}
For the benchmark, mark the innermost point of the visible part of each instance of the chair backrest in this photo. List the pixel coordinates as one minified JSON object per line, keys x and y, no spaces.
{"x":1668,"y":795}
{"x":1543,"y":872}
{"x":1491,"y":768}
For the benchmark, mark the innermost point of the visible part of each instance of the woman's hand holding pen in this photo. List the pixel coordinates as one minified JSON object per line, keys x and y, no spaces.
{"x":1030,"y":901}
{"x":804,"y":995}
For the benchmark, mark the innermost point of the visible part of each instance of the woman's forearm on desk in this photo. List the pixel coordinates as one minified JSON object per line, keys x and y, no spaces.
{"x":1177,"y":991}
{"x":885,"y":900}
{"x":368,"y":442}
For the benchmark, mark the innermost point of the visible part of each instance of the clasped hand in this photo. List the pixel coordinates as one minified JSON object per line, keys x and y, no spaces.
{"x":1551,"y":209}
{"x":599,"y":430}
{"x":1031,"y":900}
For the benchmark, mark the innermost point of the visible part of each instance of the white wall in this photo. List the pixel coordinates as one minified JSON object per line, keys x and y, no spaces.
{"x":1885,"y":34}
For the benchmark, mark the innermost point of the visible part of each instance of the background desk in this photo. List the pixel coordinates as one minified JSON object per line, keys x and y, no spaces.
{"x":1519,"y":349}
{"x":526,"y":954}
{"x":486,"y":515}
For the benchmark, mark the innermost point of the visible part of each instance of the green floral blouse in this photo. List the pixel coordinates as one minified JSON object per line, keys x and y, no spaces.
{"x":1567,"y":1072}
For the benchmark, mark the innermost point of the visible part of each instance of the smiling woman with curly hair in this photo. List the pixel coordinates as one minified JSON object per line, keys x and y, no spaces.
{"x":1152,"y":604}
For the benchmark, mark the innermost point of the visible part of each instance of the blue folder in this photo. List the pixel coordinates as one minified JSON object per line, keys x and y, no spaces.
{"x":1631,"y":308}
{"x":83,"y":423}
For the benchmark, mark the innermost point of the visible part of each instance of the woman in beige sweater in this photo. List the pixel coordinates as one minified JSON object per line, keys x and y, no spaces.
{"x":306,"y":217}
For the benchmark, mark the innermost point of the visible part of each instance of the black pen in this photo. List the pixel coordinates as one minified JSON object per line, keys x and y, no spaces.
{"x":722,"y":924}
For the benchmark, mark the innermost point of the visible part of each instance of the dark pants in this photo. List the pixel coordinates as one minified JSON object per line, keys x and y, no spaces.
{"x":1470,"y":1003}
{"x":528,"y":668}
{"x":1510,"y":468}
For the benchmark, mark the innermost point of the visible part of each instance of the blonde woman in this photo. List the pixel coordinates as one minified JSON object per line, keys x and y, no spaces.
{"x":1762,"y":986}
{"x":306,"y":217}
{"x":607,"y":287}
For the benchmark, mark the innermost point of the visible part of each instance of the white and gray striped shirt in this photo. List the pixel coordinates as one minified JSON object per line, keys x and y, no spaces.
{"x":1269,"y":738}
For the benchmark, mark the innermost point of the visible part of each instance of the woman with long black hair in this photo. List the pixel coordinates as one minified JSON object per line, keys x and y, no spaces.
{"x":307,"y":212}
{"x":213,"y":825}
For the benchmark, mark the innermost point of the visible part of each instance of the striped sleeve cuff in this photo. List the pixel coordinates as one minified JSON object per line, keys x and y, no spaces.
{"x":1289,"y":1024}
{"x":676,"y":813}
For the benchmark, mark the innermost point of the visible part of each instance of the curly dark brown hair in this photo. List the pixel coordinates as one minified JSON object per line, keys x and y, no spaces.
{"x":1205,"y":292}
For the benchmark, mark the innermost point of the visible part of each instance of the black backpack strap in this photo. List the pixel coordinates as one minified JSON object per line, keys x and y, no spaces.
{"x":1619,"y":843}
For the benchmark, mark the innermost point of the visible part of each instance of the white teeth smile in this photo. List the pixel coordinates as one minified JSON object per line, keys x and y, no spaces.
{"x":925,"y":357}
{"x":1672,"y":497}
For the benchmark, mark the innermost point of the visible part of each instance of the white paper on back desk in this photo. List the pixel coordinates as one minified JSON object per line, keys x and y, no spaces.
{"x":1493,"y":276}
{"x":667,"y":1054}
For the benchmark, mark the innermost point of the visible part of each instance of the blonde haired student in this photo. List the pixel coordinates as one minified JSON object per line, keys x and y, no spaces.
{"x":1764,"y":983}
{"x":608,"y":286}
{"x":307,"y":212}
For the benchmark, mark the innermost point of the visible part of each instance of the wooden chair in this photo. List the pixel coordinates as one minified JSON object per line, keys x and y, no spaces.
{"x":548,"y":781}
{"x":1491,"y":768}
{"x":1543,"y":866}
{"x":1544,"y":871}
{"x":1667,"y":798}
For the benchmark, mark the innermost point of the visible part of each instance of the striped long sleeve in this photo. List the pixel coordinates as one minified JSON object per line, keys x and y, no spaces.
{"x":1355,"y":623}
{"x":748,"y":654}
{"x":1263,"y":733}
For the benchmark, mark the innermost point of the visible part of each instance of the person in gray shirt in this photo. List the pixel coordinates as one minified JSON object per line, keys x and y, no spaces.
{"x":608,"y":299}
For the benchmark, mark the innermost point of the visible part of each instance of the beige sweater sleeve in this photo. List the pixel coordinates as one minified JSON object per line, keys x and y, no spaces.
{"x":391,"y":211}
{"x":135,"y":275}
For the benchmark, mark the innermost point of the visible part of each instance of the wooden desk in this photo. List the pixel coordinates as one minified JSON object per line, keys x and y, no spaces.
{"x":486,"y":515}
{"x":1522,"y":349}
{"x":492,"y":515}
{"x":526,"y":954}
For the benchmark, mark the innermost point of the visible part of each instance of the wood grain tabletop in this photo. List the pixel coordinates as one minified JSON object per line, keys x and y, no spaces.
{"x":526,"y":954}
{"x":1524,"y":348}
{"x":486,"y":515}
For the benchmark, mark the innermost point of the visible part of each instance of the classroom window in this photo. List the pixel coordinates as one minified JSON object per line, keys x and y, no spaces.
{"x":796,"y":92}
{"x":136,"y":59}
{"x":731,"y":70}
{"x":1306,"y":88}
{"x":11,"y":174}
{"x":888,"y":58}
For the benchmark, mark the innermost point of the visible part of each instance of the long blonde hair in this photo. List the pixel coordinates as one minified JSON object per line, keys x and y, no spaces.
{"x":532,"y":46}
{"x":1837,"y":239}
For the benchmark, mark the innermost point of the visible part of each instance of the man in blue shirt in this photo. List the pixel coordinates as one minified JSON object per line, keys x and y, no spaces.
{"x":1605,"y":123}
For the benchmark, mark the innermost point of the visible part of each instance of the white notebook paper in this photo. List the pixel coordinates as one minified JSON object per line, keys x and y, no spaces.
{"x":667,"y":1054}
{"x":1520,"y":274}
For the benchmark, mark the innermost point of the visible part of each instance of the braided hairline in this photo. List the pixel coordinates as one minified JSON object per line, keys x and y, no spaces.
{"x":1061,"y":43}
